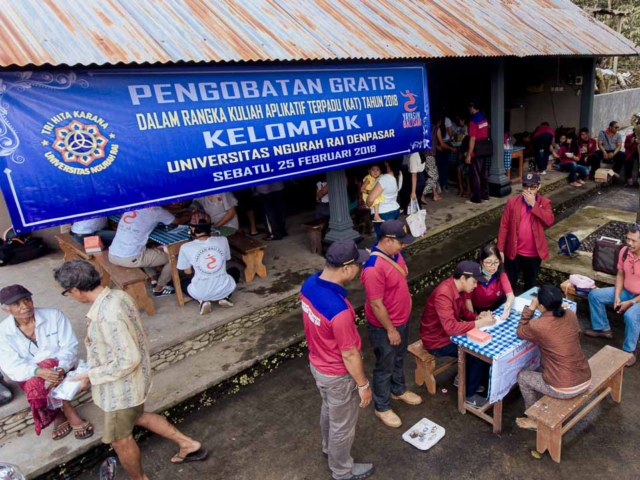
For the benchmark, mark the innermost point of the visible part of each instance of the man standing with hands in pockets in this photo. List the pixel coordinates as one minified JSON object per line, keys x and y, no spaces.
{"x":334,"y":354}
{"x":521,"y":239}
{"x":387,"y":309}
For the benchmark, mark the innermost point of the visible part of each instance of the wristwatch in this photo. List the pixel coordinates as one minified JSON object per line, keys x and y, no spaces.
{"x":364,"y":387}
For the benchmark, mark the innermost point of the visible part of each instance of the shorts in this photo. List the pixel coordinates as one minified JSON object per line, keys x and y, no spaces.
{"x":119,"y":424}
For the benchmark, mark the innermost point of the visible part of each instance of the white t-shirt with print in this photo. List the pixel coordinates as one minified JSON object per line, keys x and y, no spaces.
{"x":217,"y":206}
{"x":134,"y":229}
{"x":414,"y":162}
{"x":390,"y":192}
{"x":85,"y":227}
{"x":208,"y":258}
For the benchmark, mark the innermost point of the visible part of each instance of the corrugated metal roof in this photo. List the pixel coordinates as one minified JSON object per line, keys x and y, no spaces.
{"x":101,"y":32}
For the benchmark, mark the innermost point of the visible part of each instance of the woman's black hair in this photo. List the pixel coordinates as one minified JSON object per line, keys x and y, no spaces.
{"x":442,"y":127}
{"x":550,"y":297}
{"x":395,"y":164}
{"x":574,"y":148}
{"x":488,"y":251}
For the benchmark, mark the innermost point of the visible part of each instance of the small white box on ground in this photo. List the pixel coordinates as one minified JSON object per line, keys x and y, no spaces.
{"x":424,"y":434}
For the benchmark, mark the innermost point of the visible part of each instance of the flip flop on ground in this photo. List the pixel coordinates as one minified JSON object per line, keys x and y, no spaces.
{"x":197,"y":456}
{"x":527,"y":424}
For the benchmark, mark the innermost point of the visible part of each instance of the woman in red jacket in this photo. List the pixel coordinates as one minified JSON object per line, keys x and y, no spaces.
{"x":569,"y":154}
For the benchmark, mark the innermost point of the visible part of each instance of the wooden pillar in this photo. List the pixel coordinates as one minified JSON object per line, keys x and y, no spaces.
{"x":499,"y":184}
{"x":340,"y":223}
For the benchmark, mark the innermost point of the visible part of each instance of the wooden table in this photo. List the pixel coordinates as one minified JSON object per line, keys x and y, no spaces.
{"x":519,"y":156}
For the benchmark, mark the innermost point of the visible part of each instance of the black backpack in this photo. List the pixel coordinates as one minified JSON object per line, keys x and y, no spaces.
{"x":16,"y":249}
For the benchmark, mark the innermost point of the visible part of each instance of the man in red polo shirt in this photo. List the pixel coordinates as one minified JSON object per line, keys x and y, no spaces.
{"x":478,"y":171}
{"x":631,"y":154}
{"x":521,"y":239}
{"x":334,"y":354}
{"x":445,"y":315}
{"x":387,"y":309}
{"x":588,"y":152}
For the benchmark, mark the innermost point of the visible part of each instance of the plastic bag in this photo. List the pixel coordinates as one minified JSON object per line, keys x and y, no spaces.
{"x":417,"y":219}
{"x":68,"y":389}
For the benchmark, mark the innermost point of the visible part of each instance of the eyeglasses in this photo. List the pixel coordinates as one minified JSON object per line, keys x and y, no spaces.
{"x":529,"y":187}
{"x":616,"y":128}
{"x":66,"y":292}
{"x":491,"y":264}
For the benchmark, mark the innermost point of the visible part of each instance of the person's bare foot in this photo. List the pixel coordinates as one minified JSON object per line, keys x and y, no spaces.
{"x":423,"y":199}
{"x":437,"y":197}
{"x":526,"y":423}
{"x":378,"y":218}
{"x":185,"y":449}
{"x":575,"y":184}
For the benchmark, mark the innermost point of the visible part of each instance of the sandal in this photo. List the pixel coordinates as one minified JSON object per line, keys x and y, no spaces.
{"x":61,"y":431}
{"x":83,"y":432}
{"x":197,"y":456}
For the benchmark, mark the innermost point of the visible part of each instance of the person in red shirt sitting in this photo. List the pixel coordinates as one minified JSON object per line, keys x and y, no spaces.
{"x":521,"y":239}
{"x":631,"y":154}
{"x":569,"y":154}
{"x":334,"y":354}
{"x":494,"y":290}
{"x":588,"y":148}
{"x":445,"y":315}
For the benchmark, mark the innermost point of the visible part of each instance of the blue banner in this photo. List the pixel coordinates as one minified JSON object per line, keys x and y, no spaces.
{"x":90,"y":143}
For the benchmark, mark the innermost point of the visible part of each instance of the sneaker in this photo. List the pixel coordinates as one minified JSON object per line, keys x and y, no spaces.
{"x":164,"y":292}
{"x":630,"y":183}
{"x":598,"y":333}
{"x":476,"y":401}
{"x":389,"y":418}
{"x":154,"y":283}
{"x":360,"y":471}
{"x":408,"y":397}
{"x":544,"y":172}
{"x":225,"y":303}
{"x":631,"y":362}
{"x":205,"y":308}
{"x":480,"y":388}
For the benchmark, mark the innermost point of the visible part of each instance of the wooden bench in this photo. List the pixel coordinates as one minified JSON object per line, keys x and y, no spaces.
{"x":556,"y":417}
{"x":426,"y":370}
{"x":251,"y":252}
{"x":131,"y":280}
{"x":72,"y":249}
{"x":314,"y":230}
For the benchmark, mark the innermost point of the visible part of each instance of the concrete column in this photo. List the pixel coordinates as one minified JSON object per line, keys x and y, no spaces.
{"x":587,"y":94}
{"x":499,"y":184}
{"x":340,"y":223}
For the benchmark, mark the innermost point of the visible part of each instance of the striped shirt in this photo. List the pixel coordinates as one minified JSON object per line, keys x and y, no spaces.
{"x":117,"y":352}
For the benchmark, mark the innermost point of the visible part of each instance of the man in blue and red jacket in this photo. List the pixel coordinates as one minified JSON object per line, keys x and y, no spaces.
{"x":478,"y":171}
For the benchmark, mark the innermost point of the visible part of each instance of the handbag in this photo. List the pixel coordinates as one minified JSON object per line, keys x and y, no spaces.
{"x":606,"y":253}
{"x":582,"y":285}
{"x":417,"y":219}
{"x":484,"y":148}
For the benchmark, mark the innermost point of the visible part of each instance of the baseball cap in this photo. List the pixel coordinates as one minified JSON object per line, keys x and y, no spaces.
{"x":531,"y":179}
{"x":344,"y":253}
{"x":468,"y":267}
{"x":13,"y":293}
{"x":396,"y":229}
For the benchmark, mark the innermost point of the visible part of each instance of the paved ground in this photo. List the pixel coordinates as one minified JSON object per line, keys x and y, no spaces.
{"x":269,"y":431}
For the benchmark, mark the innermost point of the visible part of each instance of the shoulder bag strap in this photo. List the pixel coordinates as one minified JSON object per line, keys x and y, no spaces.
{"x":392,"y":262}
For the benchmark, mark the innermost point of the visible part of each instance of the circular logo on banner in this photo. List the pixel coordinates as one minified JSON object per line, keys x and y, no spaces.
{"x":79,"y":143}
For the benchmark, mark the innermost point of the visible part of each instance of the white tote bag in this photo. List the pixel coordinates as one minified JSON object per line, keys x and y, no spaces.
{"x":417,"y":219}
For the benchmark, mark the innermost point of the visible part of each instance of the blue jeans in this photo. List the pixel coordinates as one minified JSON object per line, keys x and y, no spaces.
{"x":575,"y":170}
{"x":476,"y":368}
{"x":601,"y":297}
{"x":385,"y":216}
{"x":388,"y":373}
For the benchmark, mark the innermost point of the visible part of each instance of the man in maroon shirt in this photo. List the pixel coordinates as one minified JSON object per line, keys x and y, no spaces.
{"x":631,"y":154}
{"x":588,"y":148}
{"x":478,"y":171}
{"x":521,"y":239}
{"x":445,"y":315}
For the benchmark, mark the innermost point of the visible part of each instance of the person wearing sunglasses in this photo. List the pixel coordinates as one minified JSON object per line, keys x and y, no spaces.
{"x":521,"y":239}
{"x":624,"y":297}
{"x":494,"y":290}
{"x":37,"y":349}
{"x":610,"y":146}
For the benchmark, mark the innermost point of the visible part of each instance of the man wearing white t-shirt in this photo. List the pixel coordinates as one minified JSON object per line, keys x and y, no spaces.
{"x":221,"y":207}
{"x":129,"y":247}
{"x":90,"y":228}
{"x":206,"y":257}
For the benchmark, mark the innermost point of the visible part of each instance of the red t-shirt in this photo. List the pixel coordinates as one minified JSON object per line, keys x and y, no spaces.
{"x":486,"y":294}
{"x":478,"y":127}
{"x":526,"y":242}
{"x":382,"y":280}
{"x":329,"y":324}
{"x":631,"y":269}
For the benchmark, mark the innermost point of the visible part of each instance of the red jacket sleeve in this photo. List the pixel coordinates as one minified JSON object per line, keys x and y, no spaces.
{"x":543,"y":211}
{"x":447,"y":317}
{"x":504,"y":227}
{"x":628,"y":142}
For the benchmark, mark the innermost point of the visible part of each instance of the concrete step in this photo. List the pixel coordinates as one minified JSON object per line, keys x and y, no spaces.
{"x":221,"y":361}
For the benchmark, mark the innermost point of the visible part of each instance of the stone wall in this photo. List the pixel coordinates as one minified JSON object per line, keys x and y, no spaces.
{"x":617,"y":106}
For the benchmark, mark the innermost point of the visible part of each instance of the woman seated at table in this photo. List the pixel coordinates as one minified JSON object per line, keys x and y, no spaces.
{"x":565,"y":370}
{"x":221,"y":207}
{"x":206,"y":257}
{"x":495,"y":290}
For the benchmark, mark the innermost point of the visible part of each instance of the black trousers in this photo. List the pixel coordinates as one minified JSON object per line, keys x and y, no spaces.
{"x":529,"y":266}
{"x":479,"y":175}
{"x":274,"y":210}
{"x":541,"y":147}
{"x":592,"y":162}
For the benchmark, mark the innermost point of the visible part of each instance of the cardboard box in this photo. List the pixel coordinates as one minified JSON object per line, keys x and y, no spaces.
{"x":479,"y":337}
{"x":604,"y":175}
{"x":93,"y":244}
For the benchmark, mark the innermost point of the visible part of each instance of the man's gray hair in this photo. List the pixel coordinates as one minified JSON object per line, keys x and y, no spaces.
{"x":78,"y":274}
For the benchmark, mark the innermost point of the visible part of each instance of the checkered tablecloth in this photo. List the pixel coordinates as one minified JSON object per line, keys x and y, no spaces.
{"x":178,"y":234}
{"x":503,"y":338}
{"x":507,"y":156}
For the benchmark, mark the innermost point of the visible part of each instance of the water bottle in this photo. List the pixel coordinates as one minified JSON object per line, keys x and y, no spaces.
{"x":508,"y":144}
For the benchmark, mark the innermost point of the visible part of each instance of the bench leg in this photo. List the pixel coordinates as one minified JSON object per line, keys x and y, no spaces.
{"x":497,"y":418}
{"x":616,"y":386}
{"x":315,"y":241}
{"x":69,"y":254}
{"x":549,"y":439}
{"x":424,"y":373}
{"x":462,"y":379}
{"x":139,"y":293}
{"x":254,"y":266}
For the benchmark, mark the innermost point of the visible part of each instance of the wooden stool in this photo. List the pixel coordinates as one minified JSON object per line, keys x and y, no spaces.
{"x":251,"y":252}
{"x":426,"y":370}
{"x":314,"y":230}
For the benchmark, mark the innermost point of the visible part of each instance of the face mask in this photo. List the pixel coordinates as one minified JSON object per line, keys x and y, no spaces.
{"x":486,"y":274}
